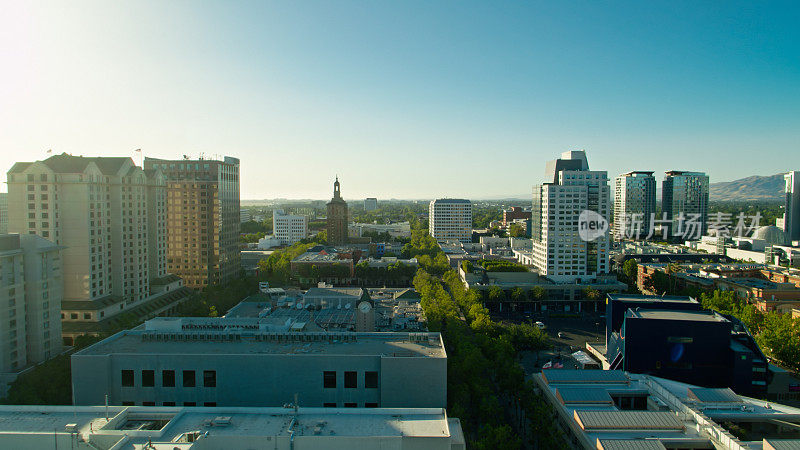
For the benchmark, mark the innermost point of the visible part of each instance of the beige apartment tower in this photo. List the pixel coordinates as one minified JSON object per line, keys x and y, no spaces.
{"x":202,"y":219}
{"x":97,"y":209}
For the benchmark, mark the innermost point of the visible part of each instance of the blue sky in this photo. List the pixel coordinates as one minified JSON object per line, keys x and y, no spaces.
{"x":406,"y":99}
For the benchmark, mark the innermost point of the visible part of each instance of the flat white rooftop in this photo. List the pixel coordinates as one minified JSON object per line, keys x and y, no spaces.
{"x":169,"y":426}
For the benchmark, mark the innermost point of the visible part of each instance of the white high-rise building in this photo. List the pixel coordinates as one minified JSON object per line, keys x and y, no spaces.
{"x":684,"y":200}
{"x":370,"y":204}
{"x":450,"y":219}
{"x":634,"y":204}
{"x":570,"y":189}
{"x":289,"y":228}
{"x":791,"y":212}
{"x":31,"y":289}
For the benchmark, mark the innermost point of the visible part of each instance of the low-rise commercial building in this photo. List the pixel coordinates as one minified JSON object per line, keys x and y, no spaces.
{"x":558,"y":297}
{"x":615,"y":410}
{"x":42,"y":427}
{"x":243,"y":363}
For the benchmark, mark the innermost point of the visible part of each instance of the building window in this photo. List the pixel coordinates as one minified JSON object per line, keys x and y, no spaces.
{"x":370,"y":405}
{"x":73,"y":316}
{"x":351,"y":380}
{"x":148,"y":378}
{"x":168,"y":378}
{"x":169,"y":403}
{"x":351,"y":405}
{"x":371,"y":380}
{"x":148,"y":403}
{"x":87,"y":316}
{"x":127,"y":378}
{"x":209,"y":378}
{"x":329,"y":405}
{"x":329,"y":379}
{"x":210,"y":404}
{"x":127,"y":403}
{"x":189,"y":404}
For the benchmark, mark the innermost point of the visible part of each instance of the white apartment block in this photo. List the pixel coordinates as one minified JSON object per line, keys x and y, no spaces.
{"x":634,"y":204}
{"x":289,"y":228}
{"x":107,"y":213}
{"x":31,"y":288}
{"x":559,"y":252}
{"x":450,"y":219}
{"x":685,"y":195}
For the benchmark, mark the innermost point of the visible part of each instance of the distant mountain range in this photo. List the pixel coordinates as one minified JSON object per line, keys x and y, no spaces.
{"x":748,"y":189}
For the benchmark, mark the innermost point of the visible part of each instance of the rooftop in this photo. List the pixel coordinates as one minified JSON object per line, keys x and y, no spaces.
{"x":693,"y":316}
{"x":244,"y":338}
{"x":651,"y":298}
{"x":166,"y":427}
{"x":675,"y":415}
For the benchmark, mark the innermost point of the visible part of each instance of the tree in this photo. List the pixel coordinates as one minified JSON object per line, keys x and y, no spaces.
{"x":591,"y":294}
{"x":516,"y":230}
{"x":631,"y":270}
{"x":496,"y":294}
{"x":518,"y":294}
{"x":537,"y":293}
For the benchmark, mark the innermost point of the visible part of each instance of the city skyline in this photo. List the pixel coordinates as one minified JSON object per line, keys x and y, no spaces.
{"x":438,"y":93}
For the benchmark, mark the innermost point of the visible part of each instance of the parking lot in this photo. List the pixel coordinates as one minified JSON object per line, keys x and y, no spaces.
{"x":575,"y":333}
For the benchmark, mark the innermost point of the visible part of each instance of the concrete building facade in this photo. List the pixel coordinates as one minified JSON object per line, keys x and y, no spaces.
{"x":3,"y":212}
{"x":370,"y":204}
{"x":570,"y":192}
{"x":202,"y":219}
{"x":244,"y":364}
{"x":289,"y":228}
{"x":634,"y":204}
{"x":450,"y":219}
{"x":684,"y":196}
{"x":31,"y":289}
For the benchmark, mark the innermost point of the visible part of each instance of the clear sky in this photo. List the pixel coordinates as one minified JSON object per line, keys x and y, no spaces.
{"x":406,"y":99}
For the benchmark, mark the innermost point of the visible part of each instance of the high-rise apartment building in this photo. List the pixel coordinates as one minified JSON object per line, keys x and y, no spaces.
{"x":104,"y":212}
{"x":337,"y":217}
{"x":289,"y":228}
{"x":3,"y":213}
{"x":370,"y":204}
{"x":450,"y":219}
{"x":202,"y":218}
{"x":571,"y":191}
{"x":684,"y":201}
{"x":634,"y":204}
{"x":31,"y":288}
{"x":791,"y":212}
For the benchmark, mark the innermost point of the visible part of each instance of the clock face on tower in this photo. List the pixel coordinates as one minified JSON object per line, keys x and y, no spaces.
{"x":364,"y":307}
